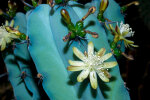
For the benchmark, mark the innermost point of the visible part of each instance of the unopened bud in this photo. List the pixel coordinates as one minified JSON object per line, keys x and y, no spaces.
{"x":103,"y":5}
{"x":65,"y":16}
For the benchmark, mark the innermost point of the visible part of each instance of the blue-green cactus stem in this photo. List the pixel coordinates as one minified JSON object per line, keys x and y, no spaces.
{"x":19,"y":87}
{"x":116,"y":85}
{"x":51,"y":56}
{"x":46,"y":57}
{"x":83,"y":90}
{"x":23,"y":57}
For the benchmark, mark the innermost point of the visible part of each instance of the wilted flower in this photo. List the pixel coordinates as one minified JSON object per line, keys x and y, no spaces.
{"x":91,"y":64}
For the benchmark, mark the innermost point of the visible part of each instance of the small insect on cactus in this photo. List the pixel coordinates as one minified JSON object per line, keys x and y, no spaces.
{"x":47,"y":34}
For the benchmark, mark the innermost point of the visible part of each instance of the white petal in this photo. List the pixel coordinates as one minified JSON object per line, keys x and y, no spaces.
{"x":78,"y":53}
{"x":101,"y":52}
{"x":13,"y":36}
{"x":93,"y":79}
{"x":12,"y":23}
{"x":102,"y":76}
{"x":3,"y":44}
{"x":6,"y":23}
{"x":7,"y":39}
{"x":90,"y":48}
{"x":83,"y":75}
{"x":107,"y":56}
{"x":76,"y":63}
{"x":108,"y":65}
{"x":75,"y":68}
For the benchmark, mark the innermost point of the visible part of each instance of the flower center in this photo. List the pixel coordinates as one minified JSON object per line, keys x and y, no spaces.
{"x":124,"y":27}
{"x":93,"y":61}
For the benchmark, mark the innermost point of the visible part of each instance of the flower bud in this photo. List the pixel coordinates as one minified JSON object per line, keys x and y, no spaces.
{"x":65,"y":16}
{"x":103,"y":5}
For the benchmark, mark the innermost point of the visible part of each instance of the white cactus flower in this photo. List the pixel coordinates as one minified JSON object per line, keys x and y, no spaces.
{"x":91,"y":64}
{"x":5,"y":36}
{"x":125,"y":30}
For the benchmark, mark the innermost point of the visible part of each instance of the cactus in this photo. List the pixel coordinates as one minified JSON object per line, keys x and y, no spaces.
{"x":51,"y":54}
{"x":23,"y":58}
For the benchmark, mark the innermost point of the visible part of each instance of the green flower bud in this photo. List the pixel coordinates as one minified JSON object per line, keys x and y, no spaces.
{"x":103,"y":6}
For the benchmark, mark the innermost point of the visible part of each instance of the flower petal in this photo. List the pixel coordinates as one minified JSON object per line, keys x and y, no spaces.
{"x":75,"y":68}
{"x":102,"y":76}
{"x":78,"y":53}
{"x":134,"y":45}
{"x":13,"y":36}
{"x":117,"y":29}
{"x":6,"y":23}
{"x":124,"y":34}
{"x":93,"y":79}
{"x":101,"y":52}
{"x":7,"y":39}
{"x":12,"y":23}
{"x":3,"y":44}
{"x":107,"y":56}
{"x":108,"y":65}
{"x":83,"y":75}
{"x":76,"y":63}
{"x":90,"y":48}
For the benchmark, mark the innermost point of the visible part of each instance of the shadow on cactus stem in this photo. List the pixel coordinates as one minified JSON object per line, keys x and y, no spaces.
{"x":90,"y":23}
{"x":82,"y":88}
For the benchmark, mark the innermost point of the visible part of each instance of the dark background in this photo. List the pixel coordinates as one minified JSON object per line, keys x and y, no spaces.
{"x":135,"y":73}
